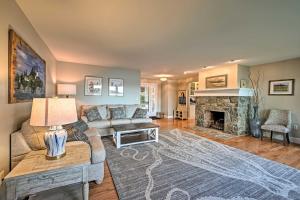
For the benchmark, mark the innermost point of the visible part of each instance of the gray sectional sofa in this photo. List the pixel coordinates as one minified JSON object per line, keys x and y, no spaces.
{"x":104,"y":125}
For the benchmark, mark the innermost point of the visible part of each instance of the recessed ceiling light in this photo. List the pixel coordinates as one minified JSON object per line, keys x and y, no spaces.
{"x":207,"y":67}
{"x":163,"y":79}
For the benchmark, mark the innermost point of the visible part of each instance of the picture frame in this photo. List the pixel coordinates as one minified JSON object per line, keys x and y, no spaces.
{"x":92,"y":86}
{"x":182,"y":97}
{"x":26,"y":71}
{"x":243,"y":83}
{"x":283,"y":87}
{"x":116,"y":87}
{"x":219,"y":81}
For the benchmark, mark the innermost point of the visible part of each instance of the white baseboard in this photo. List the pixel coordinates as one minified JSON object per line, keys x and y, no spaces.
{"x":169,"y":117}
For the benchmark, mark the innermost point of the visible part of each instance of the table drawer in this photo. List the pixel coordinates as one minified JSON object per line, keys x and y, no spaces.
{"x":48,"y":180}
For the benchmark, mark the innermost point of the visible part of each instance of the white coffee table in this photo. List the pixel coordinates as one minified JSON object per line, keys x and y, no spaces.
{"x":150,"y":129}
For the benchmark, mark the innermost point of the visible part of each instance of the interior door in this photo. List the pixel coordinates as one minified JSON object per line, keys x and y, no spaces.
{"x":149,"y":97}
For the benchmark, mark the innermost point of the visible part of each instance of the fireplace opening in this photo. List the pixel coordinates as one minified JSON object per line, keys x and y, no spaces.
{"x":217,"y":120}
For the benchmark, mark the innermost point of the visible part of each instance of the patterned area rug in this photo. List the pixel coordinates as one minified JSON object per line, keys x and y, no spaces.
{"x":213,"y":132}
{"x":185,"y":166}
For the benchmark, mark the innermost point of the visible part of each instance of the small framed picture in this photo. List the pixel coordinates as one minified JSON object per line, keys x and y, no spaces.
{"x":92,"y":86}
{"x":116,"y":87}
{"x":282,"y":87}
{"x":243,"y":83}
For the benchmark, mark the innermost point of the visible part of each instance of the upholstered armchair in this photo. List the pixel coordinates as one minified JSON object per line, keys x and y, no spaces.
{"x":279,"y":121}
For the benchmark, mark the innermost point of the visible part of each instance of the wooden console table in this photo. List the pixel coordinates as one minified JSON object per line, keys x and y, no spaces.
{"x":36,"y":174}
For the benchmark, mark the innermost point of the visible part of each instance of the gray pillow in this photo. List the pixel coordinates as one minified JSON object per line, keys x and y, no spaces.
{"x":140,"y":113}
{"x":92,"y":114}
{"x":76,"y":131}
{"x":117,"y":113}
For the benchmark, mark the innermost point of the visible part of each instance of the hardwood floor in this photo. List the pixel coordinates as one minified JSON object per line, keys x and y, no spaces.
{"x":289,"y":155}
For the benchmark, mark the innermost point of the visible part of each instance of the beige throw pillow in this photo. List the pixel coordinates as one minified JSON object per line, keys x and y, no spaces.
{"x":34,"y":135}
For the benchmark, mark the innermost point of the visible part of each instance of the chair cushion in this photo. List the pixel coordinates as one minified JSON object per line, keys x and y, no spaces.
{"x":141,"y":120}
{"x":34,"y":135}
{"x":130,"y":110}
{"x":99,"y":124}
{"x":275,"y":128}
{"x":278,"y":117}
{"x":117,"y":113}
{"x":92,"y":114}
{"x":120,"y":121}
{"x":140,"y":113}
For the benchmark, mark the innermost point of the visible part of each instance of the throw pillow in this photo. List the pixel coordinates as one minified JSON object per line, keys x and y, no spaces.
{"x":76,"y":131}
{"x":92,"y":114}
{"x":117,"y":113}
{"x":140,"y":113}
{"x":34,"y":135}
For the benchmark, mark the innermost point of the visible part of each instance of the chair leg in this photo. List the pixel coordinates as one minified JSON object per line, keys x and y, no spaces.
{"x":271,"y":136}
{"x":261,"y":135}
{"x":288,"y":138}
{"x":284,"y":139}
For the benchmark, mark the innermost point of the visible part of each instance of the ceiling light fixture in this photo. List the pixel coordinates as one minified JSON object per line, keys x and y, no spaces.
{"x":234,"y":61}
{"x":207,"y":67}
{"x":163,"y":79}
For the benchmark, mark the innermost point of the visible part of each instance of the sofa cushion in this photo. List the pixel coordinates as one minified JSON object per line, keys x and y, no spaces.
{"x":275,"y":128}
{"x":117,"y":113}
{"x":140,"y":113}
{"x":130,"y":110}
{"x":76,"y":131}
{"x":99,"y":124}
{"x":120,"y":121}
{"x":92,"y":114}
{"x":141,"y":120}
{"x":34,"y":135}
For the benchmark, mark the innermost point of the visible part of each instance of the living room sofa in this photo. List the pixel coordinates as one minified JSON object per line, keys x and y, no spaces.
{"x":104,"y":125}
{"x":31,"y":139}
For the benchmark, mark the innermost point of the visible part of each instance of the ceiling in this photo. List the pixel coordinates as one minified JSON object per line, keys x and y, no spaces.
{"x":167,"y":36}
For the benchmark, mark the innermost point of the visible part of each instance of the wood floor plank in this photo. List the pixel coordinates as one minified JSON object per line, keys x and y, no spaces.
{"x":276,"y":151}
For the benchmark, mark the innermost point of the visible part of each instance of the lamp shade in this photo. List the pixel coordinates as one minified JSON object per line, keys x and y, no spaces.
{"x":66,"y":89}
{"x":53,"y":111}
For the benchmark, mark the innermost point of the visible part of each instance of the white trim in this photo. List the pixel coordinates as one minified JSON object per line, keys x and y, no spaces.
{"x":225,"y":92}
{"x":170,"y":117}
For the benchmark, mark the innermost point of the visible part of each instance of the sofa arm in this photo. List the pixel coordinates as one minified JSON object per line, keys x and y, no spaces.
{"x":19,"y":148}
{"x":97,"y":149}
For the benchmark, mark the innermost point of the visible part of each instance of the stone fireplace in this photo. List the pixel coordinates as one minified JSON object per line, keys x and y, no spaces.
{"x":228,"y":113}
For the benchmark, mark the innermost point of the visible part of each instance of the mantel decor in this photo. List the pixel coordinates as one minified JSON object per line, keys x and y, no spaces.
{"x":216,"y":81}
{"x":282,"y":87}
{"x":27,"y":71}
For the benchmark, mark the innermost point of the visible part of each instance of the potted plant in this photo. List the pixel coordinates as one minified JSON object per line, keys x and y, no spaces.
{"x":255,"y":120}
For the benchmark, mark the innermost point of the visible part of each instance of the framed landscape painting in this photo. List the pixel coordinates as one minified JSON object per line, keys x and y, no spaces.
{"x":282,"y":87}
{"x":93,"y":86}
{"x":216,"y":81}
{"x":27,"y":71}
{"x":116,"y":87}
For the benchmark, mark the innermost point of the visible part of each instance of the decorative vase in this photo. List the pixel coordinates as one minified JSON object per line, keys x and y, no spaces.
{"x":255,"y":123}
{"x":55,"y":141}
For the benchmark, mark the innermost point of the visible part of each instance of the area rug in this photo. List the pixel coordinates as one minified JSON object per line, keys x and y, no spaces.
{"x":212,"y":132}
{"x":185,"y":166}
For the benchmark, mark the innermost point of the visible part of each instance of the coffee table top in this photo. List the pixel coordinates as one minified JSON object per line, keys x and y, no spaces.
{"x":137,"y":126}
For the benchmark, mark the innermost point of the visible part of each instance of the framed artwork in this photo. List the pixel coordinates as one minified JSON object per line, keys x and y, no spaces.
{"x":243,"y":83}
{"x":116,"y":87}
{"x":182,"y":96}
{"x":26,"y":73}
{"x":282,"y":87}
{"x":92,"y":86}
{"x":216,"y":81}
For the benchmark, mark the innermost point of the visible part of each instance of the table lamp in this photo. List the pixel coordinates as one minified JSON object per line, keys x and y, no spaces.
{"x":54,"y":112}
{"x":66,"y":89}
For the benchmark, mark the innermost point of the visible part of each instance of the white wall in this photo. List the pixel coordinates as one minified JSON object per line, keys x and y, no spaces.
{"x":169,"y":97}
{"x":75,"y":73}
{"x":12,"y":115}
{"x":288,"y":69}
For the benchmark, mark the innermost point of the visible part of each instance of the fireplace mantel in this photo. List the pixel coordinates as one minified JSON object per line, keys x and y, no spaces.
{"x":225,"y":92}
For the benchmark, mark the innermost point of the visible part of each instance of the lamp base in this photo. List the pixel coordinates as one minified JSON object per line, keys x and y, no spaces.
{"x":55,"y":140}
{"x":55,"y":157}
